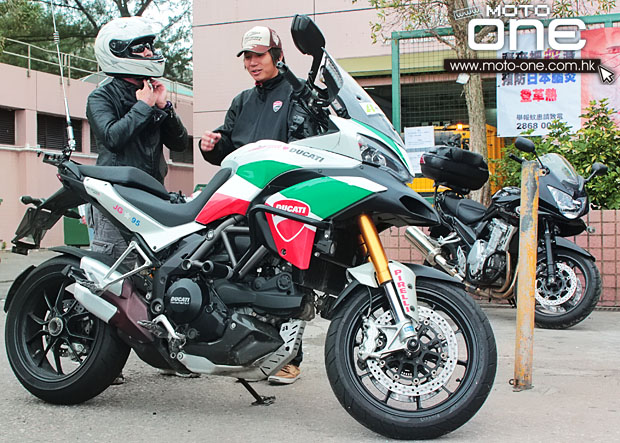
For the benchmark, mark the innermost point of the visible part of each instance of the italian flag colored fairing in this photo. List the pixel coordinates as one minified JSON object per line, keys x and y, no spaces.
{"x":257,"y":164}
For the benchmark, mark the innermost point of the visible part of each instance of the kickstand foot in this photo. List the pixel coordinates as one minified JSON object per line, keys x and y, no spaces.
{"x":260,"y":399}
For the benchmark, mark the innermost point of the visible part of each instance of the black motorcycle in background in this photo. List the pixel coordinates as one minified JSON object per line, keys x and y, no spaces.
{"x":480,"y":244}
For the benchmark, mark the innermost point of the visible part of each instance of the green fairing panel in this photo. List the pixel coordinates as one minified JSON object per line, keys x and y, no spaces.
{"x":260,"y":173}
{"x":325,"y":195}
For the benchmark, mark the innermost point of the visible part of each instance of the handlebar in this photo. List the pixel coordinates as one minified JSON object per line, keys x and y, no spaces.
{"x":516,"y":158}
{"x":290,"y":77}
{"x":26,"y":199}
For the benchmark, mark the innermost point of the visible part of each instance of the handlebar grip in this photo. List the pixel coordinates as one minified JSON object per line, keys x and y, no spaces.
{"x":516,"y":158}
{"x":290,"y":77}
{"x":26,"y":199}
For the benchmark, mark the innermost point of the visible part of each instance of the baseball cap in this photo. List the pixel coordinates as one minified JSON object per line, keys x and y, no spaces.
{"x":260,"y":39}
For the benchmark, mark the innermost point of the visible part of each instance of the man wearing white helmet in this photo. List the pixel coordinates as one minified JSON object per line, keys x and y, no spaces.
{"x":130,"y":116}
{"x":265,"y":112}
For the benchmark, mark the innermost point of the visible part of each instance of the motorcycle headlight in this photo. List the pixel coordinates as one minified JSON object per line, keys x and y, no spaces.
{"x":569,"y":207}
{"x":377,"y":154}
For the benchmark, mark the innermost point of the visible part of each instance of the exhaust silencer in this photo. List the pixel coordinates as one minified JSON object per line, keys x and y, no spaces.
{"x":94,"y":304}
{"x":430,"y":250}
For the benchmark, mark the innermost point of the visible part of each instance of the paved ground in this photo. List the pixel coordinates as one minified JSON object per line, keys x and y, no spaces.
{"x":576,"y":396}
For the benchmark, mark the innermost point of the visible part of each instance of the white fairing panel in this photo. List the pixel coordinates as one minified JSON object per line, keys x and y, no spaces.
{"x":156,"y":235}
{"x":292,"y":154}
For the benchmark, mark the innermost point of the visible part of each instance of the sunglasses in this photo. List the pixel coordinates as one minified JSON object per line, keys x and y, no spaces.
{"x":138,"y":48}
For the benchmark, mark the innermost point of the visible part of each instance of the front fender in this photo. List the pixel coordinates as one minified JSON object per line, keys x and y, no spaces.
{"x":561,"y":242}
{"x":364,"y":275}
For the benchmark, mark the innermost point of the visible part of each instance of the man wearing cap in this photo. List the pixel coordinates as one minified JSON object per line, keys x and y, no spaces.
{"x":264,"y":112}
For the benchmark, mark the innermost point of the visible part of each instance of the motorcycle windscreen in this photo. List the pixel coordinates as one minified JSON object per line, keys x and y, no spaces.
{"x":294,"y":240}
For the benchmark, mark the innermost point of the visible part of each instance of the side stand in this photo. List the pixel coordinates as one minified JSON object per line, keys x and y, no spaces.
{"x":260,"y":399}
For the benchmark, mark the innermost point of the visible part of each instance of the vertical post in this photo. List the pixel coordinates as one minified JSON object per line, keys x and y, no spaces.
{"x":396,"y":82}
{"x":29,"y":54}
{"x":526,"y":268}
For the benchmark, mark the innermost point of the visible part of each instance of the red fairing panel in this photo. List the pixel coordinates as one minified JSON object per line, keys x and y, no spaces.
{"x":221,"y":205}
{"x":293,"y":239}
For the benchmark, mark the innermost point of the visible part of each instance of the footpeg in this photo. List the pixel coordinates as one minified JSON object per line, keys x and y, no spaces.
{"x":154,"y":328}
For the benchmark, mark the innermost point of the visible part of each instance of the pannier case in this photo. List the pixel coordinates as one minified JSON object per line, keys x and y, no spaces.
{"x":455,"y":168}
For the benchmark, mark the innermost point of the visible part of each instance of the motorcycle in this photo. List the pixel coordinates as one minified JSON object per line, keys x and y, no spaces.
{"x":479,"y":245}
{"x":226,"y":282}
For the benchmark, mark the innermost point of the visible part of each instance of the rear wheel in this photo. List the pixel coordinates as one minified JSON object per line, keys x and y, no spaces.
{"x":572,"y":296}
{"x":423,"y":393}
{"x":59,"y":351}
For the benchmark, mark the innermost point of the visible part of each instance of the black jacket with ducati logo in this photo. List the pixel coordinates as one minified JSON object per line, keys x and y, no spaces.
{"x":259,"y":113}
{"x":131,"y":133}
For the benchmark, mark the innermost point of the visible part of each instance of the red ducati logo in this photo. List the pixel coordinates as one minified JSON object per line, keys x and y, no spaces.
{"x":289,"y":229}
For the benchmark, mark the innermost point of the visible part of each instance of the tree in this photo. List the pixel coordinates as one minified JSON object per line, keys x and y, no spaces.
{"x":430,"y":15}
{"x":79,"y":21}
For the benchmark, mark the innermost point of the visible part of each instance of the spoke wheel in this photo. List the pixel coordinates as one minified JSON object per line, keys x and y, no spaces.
{"x":427,"y":390}
{"x":59,"y":351}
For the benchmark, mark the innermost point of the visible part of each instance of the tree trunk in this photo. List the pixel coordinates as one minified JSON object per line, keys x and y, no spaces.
{"x":473,"y":92}
{"x":477,"y":129}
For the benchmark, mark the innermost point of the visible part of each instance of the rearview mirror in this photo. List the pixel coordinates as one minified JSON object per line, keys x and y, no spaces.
{"x":525,"y":145}
{"x":307,"y":36}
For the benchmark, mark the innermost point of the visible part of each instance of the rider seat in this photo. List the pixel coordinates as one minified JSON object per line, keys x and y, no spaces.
{"x":466,"y":210}
{"x":151,"y":197}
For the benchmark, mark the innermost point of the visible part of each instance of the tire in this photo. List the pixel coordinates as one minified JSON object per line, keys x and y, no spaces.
{"x":440,"y":402}
{"x":573,"y":296}
{"x":58,"y":351}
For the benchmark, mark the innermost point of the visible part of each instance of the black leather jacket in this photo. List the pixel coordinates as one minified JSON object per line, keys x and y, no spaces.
{"x":264,"y":112}
{"x":129,"y":132}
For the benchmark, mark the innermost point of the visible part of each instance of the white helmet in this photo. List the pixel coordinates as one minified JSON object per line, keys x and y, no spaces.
{"x":112,"y":48}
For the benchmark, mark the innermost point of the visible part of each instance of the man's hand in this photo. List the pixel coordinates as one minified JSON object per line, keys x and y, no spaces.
{"x":146,"y":94}
{"x":209,"y":140}
{"x":161,"y":95}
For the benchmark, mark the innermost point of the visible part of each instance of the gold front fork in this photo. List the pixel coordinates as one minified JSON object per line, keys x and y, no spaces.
{"x":372,"y":245}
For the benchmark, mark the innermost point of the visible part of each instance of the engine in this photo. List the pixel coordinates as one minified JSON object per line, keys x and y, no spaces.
{"x":232,"y":323}
{"x":486,"y":261}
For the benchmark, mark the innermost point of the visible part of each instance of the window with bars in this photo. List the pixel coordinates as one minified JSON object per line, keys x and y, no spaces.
{"x":7,"y":126}
{"x":52,"y":132}
{"x":94,"y":149}
{"x":186,"y":156}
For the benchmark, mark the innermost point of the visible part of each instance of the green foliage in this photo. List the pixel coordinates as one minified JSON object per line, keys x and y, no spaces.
{"x":597,"y":141}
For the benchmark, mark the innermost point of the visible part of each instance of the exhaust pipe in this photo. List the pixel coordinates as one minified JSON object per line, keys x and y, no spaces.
{"x":430,"y":250}
{"x":119,"y":304}
{"x":96,"y":272}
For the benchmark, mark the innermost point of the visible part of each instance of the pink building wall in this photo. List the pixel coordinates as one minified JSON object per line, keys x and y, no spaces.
{"x":218,"y":28}
{"x":22,"y":171}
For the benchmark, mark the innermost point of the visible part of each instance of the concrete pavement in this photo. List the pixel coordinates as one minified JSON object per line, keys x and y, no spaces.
{"x":576,"y":395}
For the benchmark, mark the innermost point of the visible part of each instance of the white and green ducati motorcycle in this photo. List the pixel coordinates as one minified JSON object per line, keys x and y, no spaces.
{"x":225,"y":283}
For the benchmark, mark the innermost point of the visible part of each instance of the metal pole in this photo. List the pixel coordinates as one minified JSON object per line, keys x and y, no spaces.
{"x":526,"y":283}
{"x":396,"y":111}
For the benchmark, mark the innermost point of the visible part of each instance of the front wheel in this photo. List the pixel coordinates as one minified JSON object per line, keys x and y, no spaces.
{"x":572,"y":296}
{"x":58,"y":350}
{"x":416,"y":394}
